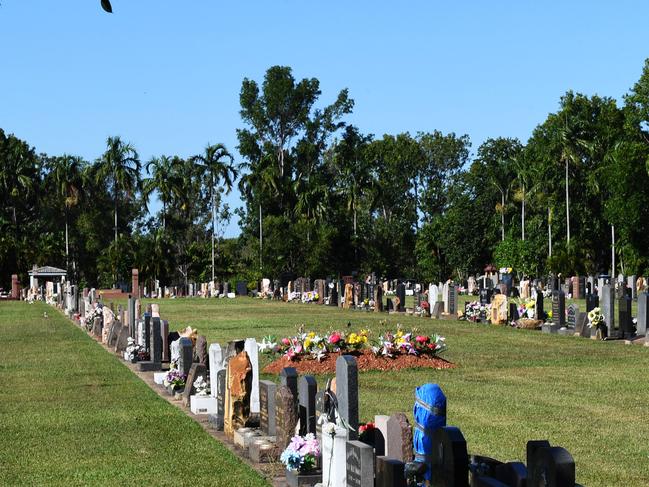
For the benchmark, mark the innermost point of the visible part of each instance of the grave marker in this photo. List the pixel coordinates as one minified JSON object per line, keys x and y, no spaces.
{"x":347,"y":392}
{"x":216,"y":363}
{"x":607,"y":305}
{"x":390,"y":472}
{"x":307,"y":389}
{"x":643,"y":313}
{"x":450,"y":460}
{"x":251,"y":347}
{"x":196,"y":371}
{"x":571,"y":318}
{"x":398,"y":441}
{"x":185,"y":355}
{"x":360,"y":464}
{"x":267,"y":406}
{"x":285,"y":416}
{"x":559,"y":308}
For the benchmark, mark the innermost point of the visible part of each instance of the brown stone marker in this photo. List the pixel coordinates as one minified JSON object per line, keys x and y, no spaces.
{"x":135,"y":283}
{"x":285,"y":416}
{"x":399,"y":440}
{"x":200,"y":350}
{"x":237,"y":395}
{"x":15,"y":286}
{"x":197,"y":370}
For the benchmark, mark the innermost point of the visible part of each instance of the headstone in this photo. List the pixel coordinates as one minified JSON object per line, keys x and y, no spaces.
{"x":196,"y":371}
{"x":559,"y":308}
{"x":360,"y":464}
{"x":288,"y":377}
{"x":607,"y":305}
{"x":334,"y":458}
{"x":571,"y":317}
{"x":216,"y":363}
{"x":390,"y":472}
{"x":237,"y":395}
{"x":185,"y":356}
{"x":401,"y":294}
{"x":378,"y":299}
{"x":398,"y":442}
{"x":307,"y":389}
{"x":164,"y":333}
{"x":631,"y":284}
{"x":200,"y":351}
{"x":581,"y":325}
{"x":452,"y":299}
{"x":347,"y":392}
{"x":450,"y":459}
{"x":220,"y":386}
{"x":551,"y":467}
{"x":513,"y":312}
{"x":592,"y":302}
{"x":286,"y":417}
{"x":499,"y":309}
{"x":131,"y":316}
{"x":135,"y":283}
{"x":625,"y":323}
{"x":485,"y":296}
{"x":267,"y":393}
{"x":438,"y":309}
{"x":122,"y":339}
{"x":539,"y":313}
{"x":155,"y":338}
{"x":643,"y":313}
{"x":251,"y":347}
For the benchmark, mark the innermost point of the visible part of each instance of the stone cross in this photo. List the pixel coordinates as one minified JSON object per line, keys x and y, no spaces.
{"x":347,"y":393}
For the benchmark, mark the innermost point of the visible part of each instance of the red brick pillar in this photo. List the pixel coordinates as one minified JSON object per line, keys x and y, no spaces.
{"x":15,"y":287}
{"x":135,"y":285}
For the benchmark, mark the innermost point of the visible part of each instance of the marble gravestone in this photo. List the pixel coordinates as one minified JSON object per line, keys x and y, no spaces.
{"x":252,"y":349}
{"x":216,"y":363}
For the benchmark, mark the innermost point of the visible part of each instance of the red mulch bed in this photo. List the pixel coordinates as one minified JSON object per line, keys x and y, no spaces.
{"x":365,"y":359}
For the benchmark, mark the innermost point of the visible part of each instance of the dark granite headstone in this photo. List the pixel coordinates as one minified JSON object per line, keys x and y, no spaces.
{"x":398,"y":443}
{"x":347,"y":393}
{"x":186,"y":353}
{"x":98,"y":326}
{"x":513,"y":312}
{"x":592,"y":302}
{"x":551,"y":467}
{"x":485,"y":296}
{"x":401,"y":294}
{"x":122,"y":339}
{"x":539,"y":313}
{"x":155,"y":337}
{"x":390,"y":472}
{"x":147,"y":333}
{"x":242,"y":288}
{"x":267,"y":391}
{"x":113,"y":333}
{"x":378,"y":299}
{"x":625,"y":322}
{"x":581,"y":326}
{"x":450,"y":459}
{"x":307,"y":389}
{"x":219,"y":417}
{"x":285,"y":416}
{"x":360,"y":464}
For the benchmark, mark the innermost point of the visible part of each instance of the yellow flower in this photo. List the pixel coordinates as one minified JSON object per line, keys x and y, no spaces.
{"x":311,"y":335}
{"x":307,"y":343}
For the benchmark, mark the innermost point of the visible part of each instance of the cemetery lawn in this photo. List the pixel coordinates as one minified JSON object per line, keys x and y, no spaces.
{"x":509,"y":386}
{"x":72,"y":414}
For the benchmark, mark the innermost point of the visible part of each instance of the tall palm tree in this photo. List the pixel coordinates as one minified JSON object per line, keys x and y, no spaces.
{"x":218,"y":166}
{"x":121,"y":164}
{"x":165,"y":180}
{"x":529,"y":181}
{"x":66,"y":172}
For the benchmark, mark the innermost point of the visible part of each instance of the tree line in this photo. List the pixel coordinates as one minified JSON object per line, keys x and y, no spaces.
{"x":322,"y":198}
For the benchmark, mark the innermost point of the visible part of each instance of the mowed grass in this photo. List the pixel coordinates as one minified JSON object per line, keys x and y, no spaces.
{"x":72,"y":414}
{"x":509,"y":386}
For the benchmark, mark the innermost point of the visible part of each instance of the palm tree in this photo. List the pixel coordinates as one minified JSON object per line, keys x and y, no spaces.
{"x":217,"y":164}
{"x":121,"y":164}
{"x":164,"y":180}
{"x":528,"y":179}
{"x":65,"y":172}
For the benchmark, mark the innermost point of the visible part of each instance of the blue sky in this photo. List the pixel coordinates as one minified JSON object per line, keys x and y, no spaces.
{"x":166,"y":75}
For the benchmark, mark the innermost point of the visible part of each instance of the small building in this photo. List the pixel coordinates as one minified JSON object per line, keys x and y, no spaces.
{"x":47,"y":272}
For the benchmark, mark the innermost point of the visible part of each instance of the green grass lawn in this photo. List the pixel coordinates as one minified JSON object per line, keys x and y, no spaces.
{"x":510,"y":385}
{"x":72,"y":414}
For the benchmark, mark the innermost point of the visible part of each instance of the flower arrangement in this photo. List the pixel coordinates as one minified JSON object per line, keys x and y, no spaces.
{"x":526,"y":308}
{"x":301,"y":453}
{"x":174,"y":378}
{"x":310,"y":297}
{"x":595,"y":318}
{"x":133,"y":350}
{"x":316,"y":346}
{"x":202,"y":386}
{"x":474,"y":311}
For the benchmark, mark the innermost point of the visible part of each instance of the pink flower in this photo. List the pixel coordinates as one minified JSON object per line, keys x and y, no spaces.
{"x":298,"y":349}
{"x":290,"y":354}
{"x":286,"y":341}
{"x":334,"y":338}
{"x":421,"y":339}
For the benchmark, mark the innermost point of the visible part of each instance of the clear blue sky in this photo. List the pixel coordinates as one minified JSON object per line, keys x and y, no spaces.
{"x":166,"y":75}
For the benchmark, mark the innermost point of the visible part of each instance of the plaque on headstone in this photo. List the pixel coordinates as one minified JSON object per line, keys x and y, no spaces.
{"x":559,"y":308}
{"x":360,"y":464}
{"x":571,"y":317}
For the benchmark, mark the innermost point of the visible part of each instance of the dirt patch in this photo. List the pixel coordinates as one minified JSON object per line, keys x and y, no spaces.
{"x":366,"y":361}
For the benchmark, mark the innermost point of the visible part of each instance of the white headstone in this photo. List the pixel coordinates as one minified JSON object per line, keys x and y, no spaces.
{"x":174,"y":350}
{"x":334,"y":453}
{"x":445,"y":296}
{"x":216,"y":364}
{"x":250,"y":346}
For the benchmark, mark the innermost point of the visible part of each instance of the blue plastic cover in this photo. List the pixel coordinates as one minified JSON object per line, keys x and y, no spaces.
{"x":430,"y":413}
